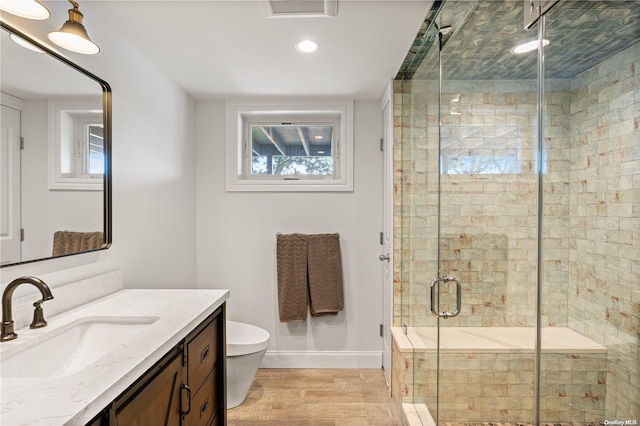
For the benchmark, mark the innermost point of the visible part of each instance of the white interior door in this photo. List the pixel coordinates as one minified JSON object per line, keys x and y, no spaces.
{"x":10,"y":185}
{"x":386,"y":240}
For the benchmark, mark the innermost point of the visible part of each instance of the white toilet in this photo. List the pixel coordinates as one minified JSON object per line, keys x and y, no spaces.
{"x":246,"y":346}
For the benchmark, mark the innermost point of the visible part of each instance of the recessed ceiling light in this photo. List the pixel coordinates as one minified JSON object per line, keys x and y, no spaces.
{"x":528,"y":46}
{"x":306,"y":46}
{"x":318,"y":137}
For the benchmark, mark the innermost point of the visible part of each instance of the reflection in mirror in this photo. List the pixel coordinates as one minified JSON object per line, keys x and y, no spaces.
{"x":76,"y":145}
{"x":55,"y":180}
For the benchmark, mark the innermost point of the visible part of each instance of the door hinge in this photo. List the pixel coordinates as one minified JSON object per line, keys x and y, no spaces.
{"x":382,"y":144}
{"x":381,"y":238}
{"x":21,"y":142}
{"x":381,"y":330}
{"x":21,"y":234}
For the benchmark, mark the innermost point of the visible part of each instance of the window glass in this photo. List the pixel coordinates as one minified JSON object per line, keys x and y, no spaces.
{"x":95,"y":149}
{"x":292,"y":149}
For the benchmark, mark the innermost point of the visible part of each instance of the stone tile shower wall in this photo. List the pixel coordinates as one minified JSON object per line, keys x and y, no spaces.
{"x":498,"y":387}
{"x":489,"y":219}
{"x":604,"y":220}
{"x":591,"y":226}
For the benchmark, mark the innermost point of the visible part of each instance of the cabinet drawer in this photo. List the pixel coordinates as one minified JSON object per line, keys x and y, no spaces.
{"x":204,"y":403}
{"x":202,"y":352}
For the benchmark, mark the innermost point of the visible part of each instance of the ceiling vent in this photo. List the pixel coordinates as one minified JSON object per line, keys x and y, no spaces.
{"x":302,"y":8}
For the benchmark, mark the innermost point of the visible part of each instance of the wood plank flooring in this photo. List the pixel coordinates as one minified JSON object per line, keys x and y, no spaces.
{"x":318,"y":397}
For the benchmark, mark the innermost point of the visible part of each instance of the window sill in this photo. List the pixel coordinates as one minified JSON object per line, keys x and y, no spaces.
{"x":77,"y":184}
{"x":290,"y":186}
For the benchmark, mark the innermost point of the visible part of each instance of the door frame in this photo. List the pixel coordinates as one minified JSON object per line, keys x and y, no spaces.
{"x":11,"y":237}
{"x":386,"y":240}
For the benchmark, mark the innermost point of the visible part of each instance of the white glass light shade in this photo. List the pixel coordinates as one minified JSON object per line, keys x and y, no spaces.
{"x":72,"y":36}
{"x":30,"y":9}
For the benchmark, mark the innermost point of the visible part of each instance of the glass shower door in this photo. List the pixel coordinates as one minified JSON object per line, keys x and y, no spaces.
{"x":485,"y":291}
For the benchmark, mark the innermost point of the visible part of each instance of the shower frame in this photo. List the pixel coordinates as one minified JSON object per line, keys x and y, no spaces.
{"x":540,"y":26}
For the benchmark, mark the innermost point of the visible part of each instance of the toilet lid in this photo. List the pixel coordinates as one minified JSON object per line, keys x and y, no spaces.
{"x":243,"y":339}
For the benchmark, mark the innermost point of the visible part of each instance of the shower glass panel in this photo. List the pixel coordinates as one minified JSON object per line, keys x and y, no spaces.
{"x":590,"y":365}
{"x":470,"y":206}
{"x":488,"y":214}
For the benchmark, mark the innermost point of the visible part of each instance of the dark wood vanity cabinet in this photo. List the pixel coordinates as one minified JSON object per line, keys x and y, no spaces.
{"x":186,"y":387}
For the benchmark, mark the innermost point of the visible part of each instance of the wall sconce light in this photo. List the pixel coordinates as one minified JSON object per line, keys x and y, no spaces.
{"x":73,"y":36}
{"x":30,"y":9}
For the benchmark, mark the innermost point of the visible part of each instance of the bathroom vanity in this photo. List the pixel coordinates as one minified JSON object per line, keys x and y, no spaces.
{"x":141,"y":357}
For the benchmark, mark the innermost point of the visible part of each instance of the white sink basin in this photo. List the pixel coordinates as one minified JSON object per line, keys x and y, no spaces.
{"x":72,"y":347}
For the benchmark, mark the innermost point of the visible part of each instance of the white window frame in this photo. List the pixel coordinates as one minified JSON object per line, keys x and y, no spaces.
{"x":71,"y":117}
{"x":242,"y":112}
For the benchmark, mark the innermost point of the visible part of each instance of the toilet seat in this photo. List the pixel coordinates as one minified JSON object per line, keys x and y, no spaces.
{"x":243,"y":339}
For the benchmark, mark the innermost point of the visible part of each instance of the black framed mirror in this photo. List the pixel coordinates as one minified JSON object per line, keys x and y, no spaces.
{"x":55,"y":157}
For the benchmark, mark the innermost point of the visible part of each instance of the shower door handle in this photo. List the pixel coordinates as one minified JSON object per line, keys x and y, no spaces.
{"x":435,"y":284}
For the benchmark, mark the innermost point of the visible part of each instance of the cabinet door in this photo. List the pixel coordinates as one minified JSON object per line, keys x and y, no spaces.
{"x":156,"y":402}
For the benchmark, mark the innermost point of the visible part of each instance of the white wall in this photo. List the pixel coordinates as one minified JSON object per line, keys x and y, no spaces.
{"x":155,"y":125}
{"x":236,"y":242}
{"x":153,"y":168}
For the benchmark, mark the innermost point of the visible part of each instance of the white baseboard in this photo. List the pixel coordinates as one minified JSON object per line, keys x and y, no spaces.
{"x":322,"y":359}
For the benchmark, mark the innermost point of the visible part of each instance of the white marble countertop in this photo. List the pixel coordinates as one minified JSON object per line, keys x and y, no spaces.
{"x":76,"y":399}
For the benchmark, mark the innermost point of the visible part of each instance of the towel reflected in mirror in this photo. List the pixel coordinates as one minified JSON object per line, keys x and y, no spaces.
{"x":69,"y":242}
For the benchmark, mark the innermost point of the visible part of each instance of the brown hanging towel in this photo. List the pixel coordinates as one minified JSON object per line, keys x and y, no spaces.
{"x":324,"y":263}
{"x":291,"y":258}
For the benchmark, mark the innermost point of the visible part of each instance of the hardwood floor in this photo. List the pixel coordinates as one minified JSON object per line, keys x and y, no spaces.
{"x":318,"y":397}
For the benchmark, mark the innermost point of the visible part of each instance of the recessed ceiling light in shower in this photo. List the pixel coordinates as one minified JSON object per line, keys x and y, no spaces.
{"x":527,"y":46}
